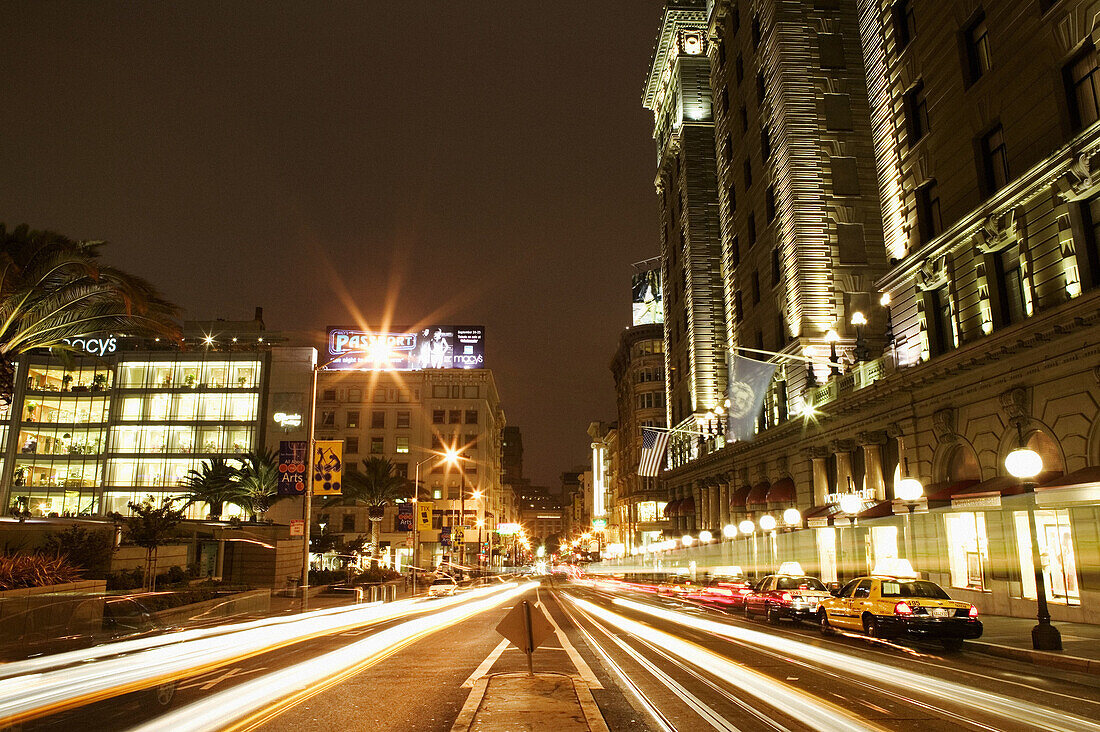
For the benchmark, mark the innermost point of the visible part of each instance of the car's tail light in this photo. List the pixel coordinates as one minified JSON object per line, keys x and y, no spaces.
{"x":973,"y":611}
{"x":902,"y":608}
{"x":786,"y":597}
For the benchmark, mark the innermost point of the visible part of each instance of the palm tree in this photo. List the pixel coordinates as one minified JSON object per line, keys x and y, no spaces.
{"x":375,"y":487}
{"x":53,"y":288}
{"x":257,"y":482}
{"x":214,"y":484}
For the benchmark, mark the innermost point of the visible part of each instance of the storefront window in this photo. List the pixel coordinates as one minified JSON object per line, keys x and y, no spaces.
{"x":826,"y":553}
{"x":967,"y":549}
{"x":1056,"y":551}
{"x":884,"y":544}
{"x":647,"y":511}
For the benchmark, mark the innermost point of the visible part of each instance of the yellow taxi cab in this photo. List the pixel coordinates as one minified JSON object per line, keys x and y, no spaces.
{"x":893,"y":602}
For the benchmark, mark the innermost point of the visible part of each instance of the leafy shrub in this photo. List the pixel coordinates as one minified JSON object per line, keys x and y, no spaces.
{"x":126,"y":579}
{"x":89,"y":550}
{"x":35,"y":570}
{"x":168,"y":600}
{"x":327,"y":576}
{"x":378,"y":574}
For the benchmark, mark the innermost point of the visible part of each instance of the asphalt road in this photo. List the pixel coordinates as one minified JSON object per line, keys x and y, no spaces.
{"x":652,"y":663}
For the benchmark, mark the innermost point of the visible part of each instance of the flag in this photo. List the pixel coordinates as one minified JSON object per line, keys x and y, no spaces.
{"x":654,"y":443}
{"x":749,"y":380}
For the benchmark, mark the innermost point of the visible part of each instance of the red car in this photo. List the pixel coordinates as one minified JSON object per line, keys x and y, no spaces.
{"x":786,"y":596}
{"x":723,"y":592}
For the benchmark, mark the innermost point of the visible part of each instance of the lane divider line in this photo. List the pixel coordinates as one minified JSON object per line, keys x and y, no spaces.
{"x":579,"y":663}
{"x":485,"y":665}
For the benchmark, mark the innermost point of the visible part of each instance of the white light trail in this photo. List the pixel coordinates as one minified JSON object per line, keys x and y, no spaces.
{"x":165,"y":658}
{"x":975,"y":699}
{"x":256,"y":696}
{"x":807,"y":708}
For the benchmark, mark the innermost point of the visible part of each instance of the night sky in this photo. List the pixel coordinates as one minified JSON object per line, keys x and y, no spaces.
{"x":342,"y":162}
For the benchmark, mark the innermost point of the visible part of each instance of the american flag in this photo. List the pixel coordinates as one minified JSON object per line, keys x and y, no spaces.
{"x":654,"y":443}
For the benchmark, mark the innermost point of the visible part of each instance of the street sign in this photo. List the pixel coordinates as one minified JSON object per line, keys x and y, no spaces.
{"x":599,"y":524}
{"x":297,"y":527}
{"x":526,"y":627}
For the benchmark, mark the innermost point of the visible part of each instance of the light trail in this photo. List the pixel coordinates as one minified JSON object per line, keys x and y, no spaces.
{"x":997,"y":705}
{"x":815,"y":712}
{"x":166,"y":658}
{"x":249,"y":704}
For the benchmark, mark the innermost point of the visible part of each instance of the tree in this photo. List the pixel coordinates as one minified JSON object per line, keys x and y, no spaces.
{"x":214,"y":483}
{"x":88,"y":549}
{"x":53,"y":288}
{"x":376,"y":486}
{"x":257,"y":482}
{"x":150,"y":526}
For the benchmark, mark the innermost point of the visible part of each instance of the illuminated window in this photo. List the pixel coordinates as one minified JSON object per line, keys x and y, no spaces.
{"x":402,"y":420}
{"x":402,"y":444}
{"x":967,"y":549}
{"x":1055,"y":536}
{"x":352,"y":421}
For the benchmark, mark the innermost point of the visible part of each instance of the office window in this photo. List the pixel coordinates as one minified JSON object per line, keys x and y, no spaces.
{"x":454,"y":417}
{"x":355,"y":394}
{"x":727,"y":150}
{"x":752,"y":229}
{"x":731,"y":196}
{"x":1083,"y":87}
{"x":471,"y":416}
{"x":748,"y":174}
{"x":916,"y":113}
{"x":351,"y":444}
{"x":761,"y":88}
{"x":328,"y":395}
{"x":759,"y":340}
{"x":769,"y":204}
{"x":905,"y":24}
{"x":757,"y":33}
{"x":739,"y":68}
{"x":735,"y":252}
{"x":994,"y":160}
{"x":765,"y":144}
{"x":379,"y":395}
{"x":353,"y":419}
{"x":724,"y":100}
{"x":439,"y":416}
{"x":976,"y":39}
{"x":377,"y":446}
{"x":831,"y":50}
{"x":347,"y":525}
{"x":1091,"y":211}
{"x":744,"y":120}
{"x":377,"y":420}
{"x":401,"y":470}
{"x":777,"y":267}
{"x":328,"y":419}
{"x":929,"y":223}
{"x":402,"y":445}
{"x":941,"y":331}
{"x":402,"y":420}
{"x":1012,"y":283}
{"x":755,"y":287}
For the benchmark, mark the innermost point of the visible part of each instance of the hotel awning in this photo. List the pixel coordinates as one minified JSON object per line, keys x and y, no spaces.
{"x":737,"y":500}
{"x":758,"y":496}
{"x":782,"y":491}
{"x":1081,"y":487}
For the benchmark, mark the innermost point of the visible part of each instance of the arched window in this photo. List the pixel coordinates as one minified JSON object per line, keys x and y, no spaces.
{"x":962,"y":465}
{"x":1048,"y":449}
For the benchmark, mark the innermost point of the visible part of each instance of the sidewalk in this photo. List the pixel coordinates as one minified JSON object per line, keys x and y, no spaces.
{"x":516,"y":701}
{"x":1011,"y":638}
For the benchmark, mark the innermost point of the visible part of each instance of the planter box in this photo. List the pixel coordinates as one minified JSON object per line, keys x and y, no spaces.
{"x":13,"y":602}
{"x":253,"y":601}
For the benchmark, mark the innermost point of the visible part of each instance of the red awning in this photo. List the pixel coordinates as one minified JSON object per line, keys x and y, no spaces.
{"x":671,"y":508}
{"x":1005,"y":485}
{"x":758,"y":496}
{"x":687,"y":506}
{"x":880,"y":509}
{"x":737,"y":500}
{"x":1084,"y":476}
{"x":944,"y":491}
{"x":782,"y":491}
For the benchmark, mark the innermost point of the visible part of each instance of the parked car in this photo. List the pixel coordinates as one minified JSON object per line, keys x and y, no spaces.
{"x":442,"y":587}
{"x":893,"y":606}
{"x":795,"y":596}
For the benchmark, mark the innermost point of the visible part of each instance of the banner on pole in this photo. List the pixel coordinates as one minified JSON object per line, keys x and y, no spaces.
{"x":405,"y":516}
{"x":424,"y":515}
{"x":292,"y":467}
{"x":328,"y":467}
{"x":748,"y":383}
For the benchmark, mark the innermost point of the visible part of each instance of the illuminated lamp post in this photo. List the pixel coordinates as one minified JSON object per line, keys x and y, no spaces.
{"x":1024,"y":464}
{"x":909,"y":491}
{"x":859,"y":320}
{"x":792,"y":517}
{"x":768,"y":525}
{"x":850,"y":504}
{"x":749,"y":528}
{"x":834,"y":361}
{"x":450,"y":456}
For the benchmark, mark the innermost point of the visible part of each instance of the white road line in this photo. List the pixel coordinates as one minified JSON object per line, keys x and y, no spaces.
{"x":487,"y":664}
{"x":582,"y":668}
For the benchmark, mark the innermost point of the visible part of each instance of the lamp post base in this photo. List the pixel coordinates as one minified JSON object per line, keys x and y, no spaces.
{"x":1045,"y":637}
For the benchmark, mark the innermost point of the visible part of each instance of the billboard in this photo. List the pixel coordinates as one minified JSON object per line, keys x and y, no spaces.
{"x":646,"y":297}
{"x":400,"y":349}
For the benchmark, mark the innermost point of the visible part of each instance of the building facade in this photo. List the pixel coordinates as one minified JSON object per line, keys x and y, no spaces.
{"x":983,"y":123}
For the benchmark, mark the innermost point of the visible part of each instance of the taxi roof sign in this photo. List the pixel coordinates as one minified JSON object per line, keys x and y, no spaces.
{"x":894,"y":567}
{"x":793,"y":569}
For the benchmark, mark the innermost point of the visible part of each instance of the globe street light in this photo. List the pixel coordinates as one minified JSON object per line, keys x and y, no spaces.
{"x":909,"y":491}
{"x":729,"y":531}
{"x":687,"y":540}
{"x":705,"y":537}
{"x":792,"y":517}
{"x":834,"y":362}
{"x":748,"y":527}
{"x":1025,"y":464}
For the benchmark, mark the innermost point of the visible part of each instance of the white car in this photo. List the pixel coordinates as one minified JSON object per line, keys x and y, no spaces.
{"x":442,"y":587}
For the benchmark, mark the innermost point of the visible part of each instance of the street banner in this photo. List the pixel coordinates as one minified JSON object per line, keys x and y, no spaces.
{"x":405,"y":516}
{"x":458,"y":533}
{"x":748,"y":383}
{"x":445,"y":536}
{"x":292,"y":467}
{"x":424,"y":515}
{"x":328,"y":467}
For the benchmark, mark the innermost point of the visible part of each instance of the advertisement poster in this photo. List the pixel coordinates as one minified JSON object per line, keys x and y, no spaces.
{"x":399,"y":349}
{"x":292,"y":467}
{"x":328,"y":467}
{"x":405,"y":516}
{"x":424,"y":515}
{"x":646,"y":297}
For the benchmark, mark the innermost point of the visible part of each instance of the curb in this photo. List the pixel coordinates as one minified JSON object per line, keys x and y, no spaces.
{"x":592,"y":716}
{"x":473,"y":703}
{"x":1041,"y":658}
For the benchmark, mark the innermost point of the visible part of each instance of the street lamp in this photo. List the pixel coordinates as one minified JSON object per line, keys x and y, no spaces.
{"x":449,"y":456}
{"x":687,"y":539}
{"x":767,"y":525}
{"x":705,"y":537}
{"x":729,"y":531}
{"x":859,"y":320}
{"x":834,"y":361}
{"x":850,"y":504}
{"x":792,"y":517}
{"x":749,"y":528}
{"x":1024,"y":464}
{"x":909,"y":491}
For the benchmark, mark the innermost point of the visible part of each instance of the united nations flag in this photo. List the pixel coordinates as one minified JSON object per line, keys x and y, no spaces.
{"x":748,"y":383}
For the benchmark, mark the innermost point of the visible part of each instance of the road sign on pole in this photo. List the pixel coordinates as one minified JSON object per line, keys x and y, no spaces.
{"x":526,"y":627}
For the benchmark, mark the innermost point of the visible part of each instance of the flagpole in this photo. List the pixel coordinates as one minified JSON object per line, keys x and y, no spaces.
{"x":776,"y":353}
